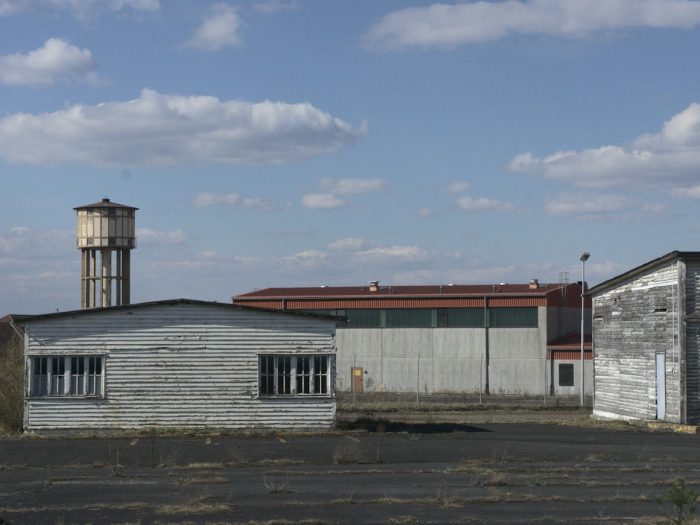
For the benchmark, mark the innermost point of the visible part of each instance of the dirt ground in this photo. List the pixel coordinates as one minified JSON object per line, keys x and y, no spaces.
{"x":397,"y":473}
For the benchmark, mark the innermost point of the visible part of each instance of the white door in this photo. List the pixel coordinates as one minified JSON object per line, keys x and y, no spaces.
{"x":660,"y":386}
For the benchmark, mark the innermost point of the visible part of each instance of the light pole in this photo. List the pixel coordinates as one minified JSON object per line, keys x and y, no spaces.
{"x":584,"y":257}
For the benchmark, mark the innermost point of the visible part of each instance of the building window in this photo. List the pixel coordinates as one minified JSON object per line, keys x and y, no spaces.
{"x":513,"y":317}
{"x":364,"y":318}
{"x":285,"y":375}
{"x":67,"y":376}
{"x":566,"y":374}
{"x":409,"y":318}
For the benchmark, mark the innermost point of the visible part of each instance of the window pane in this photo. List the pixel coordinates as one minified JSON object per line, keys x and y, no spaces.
{"x":58,"y":379}
{"x":284,"y":375}
{"x":303,"y":375}
{"x":409,"y":318}
{"x":363,"y":318}
{"x":41,"y":377}
{"x":513,"y":317}
{"x":94,"y":387}
{"x":77,"y":375}
{"x":465,"y":317}
{"x":320,"y":374}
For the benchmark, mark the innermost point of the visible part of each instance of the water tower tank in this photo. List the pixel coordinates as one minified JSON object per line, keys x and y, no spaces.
{"x":106,"y":235}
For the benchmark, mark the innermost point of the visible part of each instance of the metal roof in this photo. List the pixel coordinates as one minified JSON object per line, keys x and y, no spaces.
{"x":420,"y":291}
{"x":669,"y":257}
{"x":105,"y":203}
{"x":22,"y":319}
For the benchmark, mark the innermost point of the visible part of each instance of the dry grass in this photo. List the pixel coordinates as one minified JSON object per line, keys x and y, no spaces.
{"x":347,"y":452}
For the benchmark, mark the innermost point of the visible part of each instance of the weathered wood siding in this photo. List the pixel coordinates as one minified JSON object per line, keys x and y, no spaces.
{"x":631,"y":324}
{"x":692,"y":298}
{"x":183,"y":365}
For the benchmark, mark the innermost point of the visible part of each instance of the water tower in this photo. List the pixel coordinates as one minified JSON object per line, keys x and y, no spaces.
{"x":106,"y":236}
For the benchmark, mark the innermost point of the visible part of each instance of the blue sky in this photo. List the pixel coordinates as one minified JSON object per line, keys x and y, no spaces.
{"x":289,"y":143}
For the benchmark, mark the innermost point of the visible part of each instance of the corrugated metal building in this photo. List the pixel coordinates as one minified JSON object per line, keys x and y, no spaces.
{"x":646,"y":339}
{"x":510,"y":339}
{"x":179,"y":364}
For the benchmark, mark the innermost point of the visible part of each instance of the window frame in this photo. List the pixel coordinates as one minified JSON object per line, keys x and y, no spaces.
{"x":49,"y":385}
{"x":572,"y":371}
{"x":313,"y":372}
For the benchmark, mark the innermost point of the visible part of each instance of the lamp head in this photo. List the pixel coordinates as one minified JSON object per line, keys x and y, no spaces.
{"x":584,"y":256}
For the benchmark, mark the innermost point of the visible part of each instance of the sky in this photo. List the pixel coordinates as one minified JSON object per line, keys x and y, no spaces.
{"x":308,"y":143}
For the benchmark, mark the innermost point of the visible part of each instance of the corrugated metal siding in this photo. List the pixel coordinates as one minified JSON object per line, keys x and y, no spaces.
{"x":181,"y":366}
{"x":339,"y":304}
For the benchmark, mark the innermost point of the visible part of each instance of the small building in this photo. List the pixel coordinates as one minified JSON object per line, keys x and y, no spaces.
{"x":501,"y":339}
{"x":646,"y":341}
{"x":179,"y":364}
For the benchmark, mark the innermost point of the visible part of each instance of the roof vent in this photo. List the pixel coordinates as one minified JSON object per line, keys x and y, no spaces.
{"x":374,"y":286}
{"x":534,"y":284}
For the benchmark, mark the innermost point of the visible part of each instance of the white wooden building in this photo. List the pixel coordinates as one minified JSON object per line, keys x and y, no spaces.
{"x":646,"y":341}
{"x":179,"y":364}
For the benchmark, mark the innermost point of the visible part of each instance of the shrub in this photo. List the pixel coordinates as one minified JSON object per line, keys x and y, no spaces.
{"x":12,"y":385}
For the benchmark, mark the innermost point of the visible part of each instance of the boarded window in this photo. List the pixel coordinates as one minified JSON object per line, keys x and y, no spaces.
{"x":566,"y":374}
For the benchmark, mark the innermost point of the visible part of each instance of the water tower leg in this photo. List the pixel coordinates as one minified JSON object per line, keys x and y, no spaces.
{"x":83,"y":279}
{"x":118,"y":278}
{"x":126,"y":277}
{"x":106,"y":280}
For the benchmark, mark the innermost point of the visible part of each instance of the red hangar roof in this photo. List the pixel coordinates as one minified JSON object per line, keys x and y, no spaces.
{"x":422,"y":296}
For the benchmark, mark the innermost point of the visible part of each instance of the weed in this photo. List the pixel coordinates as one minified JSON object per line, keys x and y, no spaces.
{"x":112,"y":461}
{"x":275,"y":481}
{"x":682,"y":500}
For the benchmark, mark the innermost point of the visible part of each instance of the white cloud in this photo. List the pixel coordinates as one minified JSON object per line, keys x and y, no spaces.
{"x":159,"y":238}
{"x":211,"y":199}
{"x":219,"y":29}
{"x":480,"y":275}
{"x":570,"y":204}
{"x":274,"y":6}
{"x":451,"y":25}
{"x":457,"y":187}
{"x":307,"y":260}
{"x":77,"y":7}
{"x":348,"y":244}
{"x":424,"y":212}
{"x":665,"y":160}
{"x":261,"y":203}
{"x":483,"y":204}
{"x":157,"y":129}
{"x":392,"y":252}
{"x":55,"y":61}
{"x":352,"y":186}
{"x":325,"y":201}
{"x":689,"y":192}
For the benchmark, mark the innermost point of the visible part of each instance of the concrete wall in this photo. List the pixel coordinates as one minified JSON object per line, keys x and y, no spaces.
{"x":447,"y":360}
{"x":632,"y":322}
{"x":576,"y":389}
{"x":182,"y":365}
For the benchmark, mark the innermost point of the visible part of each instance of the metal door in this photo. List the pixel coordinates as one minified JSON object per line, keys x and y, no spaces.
{"x":660,"y":386}
{"x":358,"y":380}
